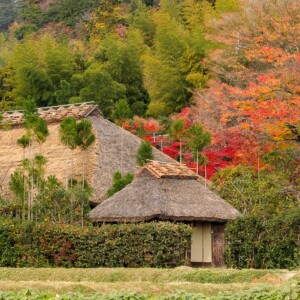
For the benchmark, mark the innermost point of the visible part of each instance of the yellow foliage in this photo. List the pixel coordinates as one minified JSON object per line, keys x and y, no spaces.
{"x":156,"y":108}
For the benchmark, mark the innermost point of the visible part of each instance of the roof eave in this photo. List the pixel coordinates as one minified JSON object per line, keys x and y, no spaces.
{"x":158,"y":217}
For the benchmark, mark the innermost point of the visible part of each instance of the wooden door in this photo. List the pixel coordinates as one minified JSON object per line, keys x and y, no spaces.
{"x":218,"y":244}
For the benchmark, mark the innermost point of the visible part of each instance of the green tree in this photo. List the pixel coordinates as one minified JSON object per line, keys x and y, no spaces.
{"x":43,"y":71}
{"x":7,"y":13}
{"x":101,"y":88}
{"x":175,"y":66}
{"x":144,"y":153}
{"x":17,"y":185}
{"x":69,"y":137}
{"x":177,"y":129}
{"x":24,"y":142}
{"x":81,"y":192}
{"x":119,"y":182}
{"x":140,"y":18}
{"x":122,"y":111}
{"x":36,"y":130}
{"x":7,"y":99}
{"x":25,"y":183}
{"x":85,"y":138}
{"x":196,"y":140}
{"x":253,"y":192}
{"x":120,"y":57}
{"x":227,"y":5}
{"x":53,"y":203}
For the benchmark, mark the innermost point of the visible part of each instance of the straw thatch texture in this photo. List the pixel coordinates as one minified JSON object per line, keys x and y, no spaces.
{"x":149,"y":197}
{"x":112,"y":142}
{"x":11,"y":156}
{"x":103,"y":159}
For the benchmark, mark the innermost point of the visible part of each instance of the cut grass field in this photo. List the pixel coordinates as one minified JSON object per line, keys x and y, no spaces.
{"x":154,"y":282}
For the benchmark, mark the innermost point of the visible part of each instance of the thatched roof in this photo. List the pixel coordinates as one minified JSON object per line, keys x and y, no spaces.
{"x":52,"y":114}
{"x":166,"y":192}
{"x":116,"y":150}
{"x":103,"y":159}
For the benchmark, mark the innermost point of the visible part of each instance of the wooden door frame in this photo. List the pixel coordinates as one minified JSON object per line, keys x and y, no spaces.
{"x":217,"y":229}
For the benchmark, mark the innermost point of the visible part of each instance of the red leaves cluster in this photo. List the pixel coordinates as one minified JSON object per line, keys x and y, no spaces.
{"x":141,"y":126}
{"x":254,"y":106}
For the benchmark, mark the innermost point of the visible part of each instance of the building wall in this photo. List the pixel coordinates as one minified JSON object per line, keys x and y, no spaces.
{"x":201,"y":249}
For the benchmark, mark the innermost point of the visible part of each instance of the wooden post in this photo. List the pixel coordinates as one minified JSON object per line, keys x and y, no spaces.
{"x":205,"y":175}
{"x":122,"y":149}
{"x":180,"y":158}
{"x":258,"y":174}
{"x":197,"y":162}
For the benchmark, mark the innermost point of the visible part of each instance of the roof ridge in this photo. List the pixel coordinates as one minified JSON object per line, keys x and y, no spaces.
{"x":52,"y":114}
{"x":169,"y":170}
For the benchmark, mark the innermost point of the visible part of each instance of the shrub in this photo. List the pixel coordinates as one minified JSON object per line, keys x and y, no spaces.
{"x":144,"y":153}
{"x":119,"y":182}
{"x":254,"y":242}
{"x":125,"y":245}
{"x":8,"y":253}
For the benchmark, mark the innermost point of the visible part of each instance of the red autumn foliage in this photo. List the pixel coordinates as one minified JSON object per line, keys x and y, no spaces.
{"x":254,"y":106}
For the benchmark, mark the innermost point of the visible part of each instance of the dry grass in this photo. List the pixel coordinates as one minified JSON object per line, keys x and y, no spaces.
{"x":145,"y":288}
{"x":143,"y":281}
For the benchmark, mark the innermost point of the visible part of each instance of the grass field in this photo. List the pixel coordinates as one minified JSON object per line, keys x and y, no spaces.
{"x":154,"y":282}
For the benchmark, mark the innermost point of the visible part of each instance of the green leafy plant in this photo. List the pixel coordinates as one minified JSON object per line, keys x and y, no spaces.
{"x":256,"y":242}
{"x":144,"y":153}
{"x":119,"y":182}
{"x":159,"y":244}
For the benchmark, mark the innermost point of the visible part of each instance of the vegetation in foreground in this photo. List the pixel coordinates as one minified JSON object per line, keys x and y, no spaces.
{"x":135,"y":284}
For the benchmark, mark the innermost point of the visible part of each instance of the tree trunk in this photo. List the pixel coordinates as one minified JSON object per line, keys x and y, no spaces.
{"x":67,"y":171}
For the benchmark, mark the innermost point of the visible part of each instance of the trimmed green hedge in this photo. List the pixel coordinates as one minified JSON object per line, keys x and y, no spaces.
{"x":126,"y":245}
{"x":254,"y":242}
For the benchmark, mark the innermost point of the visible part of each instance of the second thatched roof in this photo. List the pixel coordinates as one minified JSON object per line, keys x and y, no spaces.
{"x":164,"y":191}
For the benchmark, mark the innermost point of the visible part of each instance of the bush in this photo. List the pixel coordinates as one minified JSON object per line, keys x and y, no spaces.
{"x":144,"y":153}
{"x":126,"y":245}
{"x":119,"y":182}
{"x":253,"y":242}
{"x":8,"y":253}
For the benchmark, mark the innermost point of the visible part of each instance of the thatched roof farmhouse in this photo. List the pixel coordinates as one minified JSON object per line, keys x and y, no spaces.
{"x":171,"y":191}
{"x":115,"y":149}
{"x":162,"y":190}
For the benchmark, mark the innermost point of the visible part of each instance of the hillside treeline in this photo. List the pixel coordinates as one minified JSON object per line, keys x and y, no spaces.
{"x":150,"y":54}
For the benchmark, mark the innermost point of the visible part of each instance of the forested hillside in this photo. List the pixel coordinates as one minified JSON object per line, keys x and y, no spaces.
{"x":227,"y":67}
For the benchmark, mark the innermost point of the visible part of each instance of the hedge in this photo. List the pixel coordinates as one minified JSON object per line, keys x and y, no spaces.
{"x":127,"y":245}
{"x":255,"y":242}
